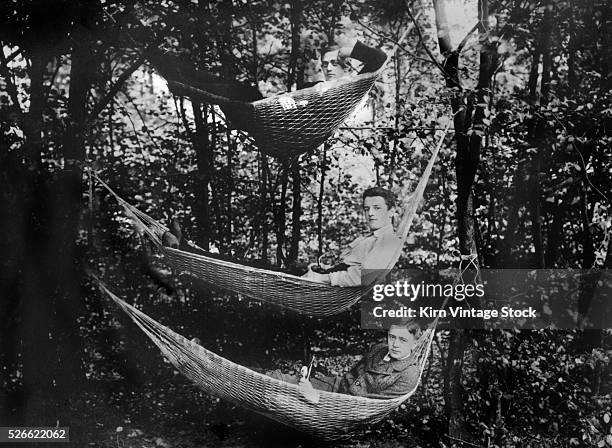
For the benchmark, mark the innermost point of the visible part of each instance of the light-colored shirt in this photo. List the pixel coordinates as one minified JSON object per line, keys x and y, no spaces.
{"x":372,"y":252}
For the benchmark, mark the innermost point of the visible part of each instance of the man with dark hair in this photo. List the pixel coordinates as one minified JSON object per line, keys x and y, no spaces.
{"x":387,"y":370}
{"x":367,"y":253}
{"x":335,"y":62}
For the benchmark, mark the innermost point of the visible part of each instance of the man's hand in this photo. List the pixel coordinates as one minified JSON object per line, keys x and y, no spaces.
{"x":287,"y":103}
{"x":315,"y":276}
{"x":345,"y":52}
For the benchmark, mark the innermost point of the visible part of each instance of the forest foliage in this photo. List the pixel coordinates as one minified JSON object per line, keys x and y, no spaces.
{"x":524,"y":181}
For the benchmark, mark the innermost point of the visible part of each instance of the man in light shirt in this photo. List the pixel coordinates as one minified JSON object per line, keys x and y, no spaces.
{"x":368,"y":253}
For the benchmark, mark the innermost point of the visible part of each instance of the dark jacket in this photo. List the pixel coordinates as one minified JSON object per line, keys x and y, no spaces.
{"x":372,"y":58}
{"x":376,"y":378}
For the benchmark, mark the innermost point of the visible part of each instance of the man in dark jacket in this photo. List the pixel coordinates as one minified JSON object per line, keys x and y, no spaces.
{"x":387,"y":370}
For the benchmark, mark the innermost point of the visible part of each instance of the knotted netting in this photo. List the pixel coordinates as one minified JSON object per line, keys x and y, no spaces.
{"x":317,"y":113}
{"x":332,"y":416}
{"x":288,"y":291}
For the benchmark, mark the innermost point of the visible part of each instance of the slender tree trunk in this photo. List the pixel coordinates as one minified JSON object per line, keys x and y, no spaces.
{"x":538,"y":136}
{"x":280,"y":215}
{"x":470,"y":123}
{"x":296,"y":214}
{"x":263,"y":198}
{"x":204,"y":157}
{"x":320,"y":201}
{"x":229,"y":181}
{"x":556,"y":228}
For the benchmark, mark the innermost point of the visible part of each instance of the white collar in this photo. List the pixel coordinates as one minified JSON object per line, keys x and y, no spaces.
{"x":383,"y":231}
{"x":388,"y":357}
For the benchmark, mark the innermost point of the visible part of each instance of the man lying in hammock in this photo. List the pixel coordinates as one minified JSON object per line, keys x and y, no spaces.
{"x":336,"y":64}
{"x":360,"y":260}
{"x":181,"y":74}
{"x":387,"y":370}
{"x":367,"y":253}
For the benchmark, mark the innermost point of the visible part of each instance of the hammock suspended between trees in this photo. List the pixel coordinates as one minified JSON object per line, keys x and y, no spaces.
{"x":334,"y":416}
{"x":319,"y":112}
{"x":285,"y":290}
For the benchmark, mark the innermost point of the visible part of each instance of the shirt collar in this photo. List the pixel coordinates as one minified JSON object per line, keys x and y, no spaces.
{"x":399,"y":364}
{"x":383,"y":231}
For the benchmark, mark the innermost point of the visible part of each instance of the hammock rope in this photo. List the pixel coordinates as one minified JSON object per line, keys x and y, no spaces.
{"x":288,"y":291}
{"x":298,"y":294}
{"x":319,"y":110}
{"x":334,"y":416}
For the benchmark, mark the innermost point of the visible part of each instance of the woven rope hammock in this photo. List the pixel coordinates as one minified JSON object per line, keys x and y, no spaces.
{"x":334,"y":416}
{"x":319,"y":112}
{"x":285,"y":290}
{"x":288,"y":291}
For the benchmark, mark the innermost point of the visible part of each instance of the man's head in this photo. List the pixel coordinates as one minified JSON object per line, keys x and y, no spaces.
{"x":401,"y":339}
{"x":378,"y":206}
{"x":333,"y":66}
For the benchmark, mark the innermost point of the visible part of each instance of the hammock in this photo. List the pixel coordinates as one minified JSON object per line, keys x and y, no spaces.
{"x":320,"y":110}
{"x":285,"y":290}
{"x":335,"y":416}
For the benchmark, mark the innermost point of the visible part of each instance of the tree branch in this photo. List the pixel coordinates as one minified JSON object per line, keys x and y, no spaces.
{"x":428,"y":51}
{"x":115,"y":88}
{"x":13,"y":55}
{"x":478,"y":25}
{"x":10,"y":85}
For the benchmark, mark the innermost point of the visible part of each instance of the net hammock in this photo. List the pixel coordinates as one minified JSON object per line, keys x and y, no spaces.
{"x":334,"y":416}
{"x":285,"y":290}
{"x":319,"y":110}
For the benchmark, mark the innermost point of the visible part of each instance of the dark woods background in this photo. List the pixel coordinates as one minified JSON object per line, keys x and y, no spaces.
{"x":524,"y":181}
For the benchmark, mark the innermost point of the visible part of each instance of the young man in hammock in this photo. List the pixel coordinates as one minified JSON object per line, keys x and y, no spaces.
{"x":359,"y":262}
{"x":336,"y":64}
{"x":181,"y":75}
{"x":366,"y":254}
{"x":387,"y":370}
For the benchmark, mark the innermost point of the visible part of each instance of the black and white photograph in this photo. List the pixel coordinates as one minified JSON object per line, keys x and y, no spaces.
{"x":305,"y":223}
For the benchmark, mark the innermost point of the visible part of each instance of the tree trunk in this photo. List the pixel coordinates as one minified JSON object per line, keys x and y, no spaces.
{"x":470,"y":123}
{"x":52,"y":345}
{"x":263,"y":199}
{"x":537,"y":134}
{"x":229,"y":182}
{"x":296,"y":226}
{"x":320,"y":201}
{"x":204,"y":159}
{"x":280,"y":216}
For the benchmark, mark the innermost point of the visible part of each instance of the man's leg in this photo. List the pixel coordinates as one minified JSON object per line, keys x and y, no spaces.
{"x":320,"y":382}
{"x":325,"y":383}
{"x":286,"y":377}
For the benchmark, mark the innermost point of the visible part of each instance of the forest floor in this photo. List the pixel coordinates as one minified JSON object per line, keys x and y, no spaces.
{"x":135,"y":398}
{"x":176,"y":414}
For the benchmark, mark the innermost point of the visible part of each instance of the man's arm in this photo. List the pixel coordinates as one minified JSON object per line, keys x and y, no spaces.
{"x":350,"y":277}
{"x":376,"y":260}
{"x":405,"y":383}
{"x":372,"y":58}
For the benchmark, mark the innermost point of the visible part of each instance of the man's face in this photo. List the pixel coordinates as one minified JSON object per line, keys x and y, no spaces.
{"x":331,"y":65}
{"x":400,"y":341}
{"x":377,"y":213}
